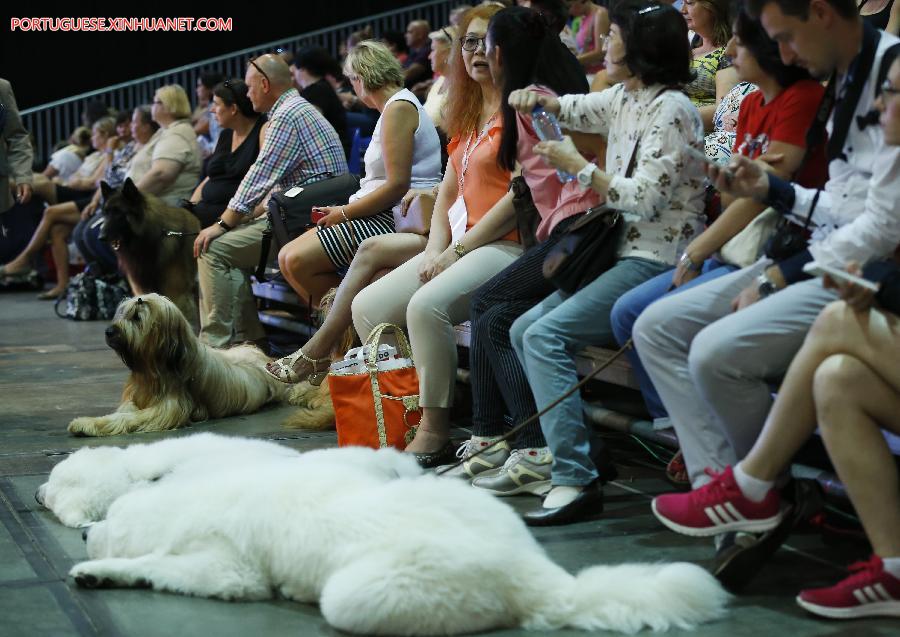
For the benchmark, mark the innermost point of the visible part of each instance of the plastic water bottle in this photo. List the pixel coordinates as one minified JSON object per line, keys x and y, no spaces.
{"x":547,"y":128}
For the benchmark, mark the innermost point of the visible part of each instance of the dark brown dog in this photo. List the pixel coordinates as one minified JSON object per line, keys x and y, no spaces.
{"x":154,"y":244}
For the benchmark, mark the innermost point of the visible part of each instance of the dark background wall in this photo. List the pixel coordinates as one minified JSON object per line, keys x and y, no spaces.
{"x":47,"y":66}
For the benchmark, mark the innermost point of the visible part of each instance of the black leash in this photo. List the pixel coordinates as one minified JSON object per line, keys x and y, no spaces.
{"x":509,"y":434}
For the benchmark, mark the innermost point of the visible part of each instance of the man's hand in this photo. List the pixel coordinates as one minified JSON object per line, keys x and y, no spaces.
{"x":524,"y":101}
{"x":562,"y":155}
{"x":206,"y":237}
{"x":23,"y":193}
{"x":741,"y":178}
{"x":856,"y":296}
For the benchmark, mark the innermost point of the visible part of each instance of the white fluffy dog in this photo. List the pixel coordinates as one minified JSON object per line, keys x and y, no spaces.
{"x":81,"y":488}
{"x":378,"y":556}
{"x":175,"y":379}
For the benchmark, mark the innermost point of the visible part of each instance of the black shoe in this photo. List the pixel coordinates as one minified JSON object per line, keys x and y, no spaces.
{"x":587,"y":504}
{"x":446,"y":455}
{"x":741,"y":556}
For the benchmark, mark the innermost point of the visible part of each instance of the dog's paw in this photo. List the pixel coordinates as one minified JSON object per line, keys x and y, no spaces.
{"x":83,"y":427}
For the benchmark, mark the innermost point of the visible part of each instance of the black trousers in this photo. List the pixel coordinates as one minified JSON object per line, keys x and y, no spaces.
{"x":495,"y":369}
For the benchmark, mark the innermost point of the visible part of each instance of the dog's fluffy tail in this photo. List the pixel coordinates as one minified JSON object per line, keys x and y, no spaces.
{"x":630,"y":597}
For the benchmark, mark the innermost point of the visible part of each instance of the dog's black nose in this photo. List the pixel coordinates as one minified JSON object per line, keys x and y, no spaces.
{"x":84,"y":533}
{"x":110,"y":331}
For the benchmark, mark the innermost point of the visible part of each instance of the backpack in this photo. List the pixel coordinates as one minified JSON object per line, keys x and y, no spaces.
{"x":93,"y":298}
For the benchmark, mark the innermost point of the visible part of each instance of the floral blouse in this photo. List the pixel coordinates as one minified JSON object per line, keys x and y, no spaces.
{"x":702,"y":90}
{"x":663,"y":199}
{"x":720,"y":142}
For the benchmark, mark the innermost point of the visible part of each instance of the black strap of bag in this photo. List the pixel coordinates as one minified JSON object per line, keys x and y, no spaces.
{"x":790,"y":239}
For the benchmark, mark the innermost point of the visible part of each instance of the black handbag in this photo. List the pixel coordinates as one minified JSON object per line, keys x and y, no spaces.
{"x":588,"y":247}
{"x":585,"y":251}
{"x":291,"y":216}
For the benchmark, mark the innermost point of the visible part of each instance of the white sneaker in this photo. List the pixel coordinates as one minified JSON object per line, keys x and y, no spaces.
{"x":489,"y":461}
{"x":526,"y":471}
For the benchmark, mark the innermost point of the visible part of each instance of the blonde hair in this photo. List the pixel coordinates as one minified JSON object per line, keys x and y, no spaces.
{"x":374,"y":64}
{"x":175,"y":100}
{"x":106,"y":125}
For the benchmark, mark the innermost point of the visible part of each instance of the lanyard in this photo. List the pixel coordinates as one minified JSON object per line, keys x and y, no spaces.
{"x":469,"y":150}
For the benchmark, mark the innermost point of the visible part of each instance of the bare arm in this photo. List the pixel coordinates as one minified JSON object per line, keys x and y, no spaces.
{"x":726,"y":79}
{"x":161,"y":175}
{"x":497,"y":222}
{"x":601,"y":27}
{"x":197,"y":195}
{"x":398,"y":129}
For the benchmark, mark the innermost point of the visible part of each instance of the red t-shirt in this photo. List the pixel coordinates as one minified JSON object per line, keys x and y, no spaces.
{"x":784,"y":119}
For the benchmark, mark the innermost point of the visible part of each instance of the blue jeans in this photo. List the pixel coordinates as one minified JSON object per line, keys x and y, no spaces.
{"x":547,"y":338}
{"x":630,"y":305}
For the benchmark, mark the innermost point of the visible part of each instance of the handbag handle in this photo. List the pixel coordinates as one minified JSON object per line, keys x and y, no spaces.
{"x":374,"y":340}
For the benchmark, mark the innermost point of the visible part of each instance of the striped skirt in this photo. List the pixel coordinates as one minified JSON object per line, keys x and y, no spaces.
{"x":341,"y":241}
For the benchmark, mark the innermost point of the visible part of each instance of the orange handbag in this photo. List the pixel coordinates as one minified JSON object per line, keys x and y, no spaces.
{"x":378,"y":407}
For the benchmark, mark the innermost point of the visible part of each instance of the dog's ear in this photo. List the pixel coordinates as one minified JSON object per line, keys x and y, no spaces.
{"x":131,"y":192}
{"x":106,"y":190}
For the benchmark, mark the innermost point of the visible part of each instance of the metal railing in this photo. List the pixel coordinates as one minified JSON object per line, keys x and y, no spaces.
{"x":50,"y":123}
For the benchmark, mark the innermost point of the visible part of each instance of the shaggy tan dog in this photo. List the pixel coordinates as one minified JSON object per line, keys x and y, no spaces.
{"x":175,"y":379}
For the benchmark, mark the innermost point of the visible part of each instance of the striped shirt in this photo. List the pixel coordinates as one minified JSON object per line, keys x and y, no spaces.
{"x":300,"y":145}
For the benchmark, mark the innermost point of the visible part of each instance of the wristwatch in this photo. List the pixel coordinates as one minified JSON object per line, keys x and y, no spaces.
{"x":459,"y":249}
{"x":222,"y":224}
{"x":688,"y":264}
{"x":586,"y":175}
{"x":766,"y":286}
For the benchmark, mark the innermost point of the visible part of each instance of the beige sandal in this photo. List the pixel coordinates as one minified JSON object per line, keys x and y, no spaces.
{"x":284,"y":369}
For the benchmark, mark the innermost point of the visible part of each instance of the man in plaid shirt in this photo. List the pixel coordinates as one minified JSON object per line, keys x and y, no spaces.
{"x":300,"y":146}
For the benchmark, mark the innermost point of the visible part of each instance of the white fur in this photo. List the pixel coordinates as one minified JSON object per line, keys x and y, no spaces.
{"x":409,"y":556}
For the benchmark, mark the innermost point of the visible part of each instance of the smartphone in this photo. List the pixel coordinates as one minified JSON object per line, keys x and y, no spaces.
{"x":699,"y":155}
{"x":817,"y":269}
{"x":316,"y":215}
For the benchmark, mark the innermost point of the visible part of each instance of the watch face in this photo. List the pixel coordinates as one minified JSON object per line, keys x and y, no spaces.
{"x":585,"y":175}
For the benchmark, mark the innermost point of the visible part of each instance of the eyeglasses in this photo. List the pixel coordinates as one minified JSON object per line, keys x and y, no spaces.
{"x":261,"y":72}
{"x":471,"y":42}
{"x":889,"y":90}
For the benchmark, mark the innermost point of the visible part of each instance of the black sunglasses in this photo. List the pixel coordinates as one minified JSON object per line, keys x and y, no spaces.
{"x":261,"y":72}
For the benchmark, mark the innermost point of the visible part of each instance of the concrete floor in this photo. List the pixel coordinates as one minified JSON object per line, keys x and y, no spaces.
{"x":52,"y":370}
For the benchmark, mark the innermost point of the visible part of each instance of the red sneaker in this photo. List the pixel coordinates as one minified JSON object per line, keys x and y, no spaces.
{"x":869,"y":592}
{"x":717,"y":507}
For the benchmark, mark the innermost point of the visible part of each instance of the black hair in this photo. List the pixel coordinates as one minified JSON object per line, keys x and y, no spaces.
{"x":656,"y":42}
{"x":316,"y":61}
{"x":554,"y":11}
{"x":800,"y":8}
{"x":395,"y":40}
{"x":122,"y":117}
{"x":532,"y":54}
{"x":209,"y":79}
{"x":233,"y":92}
{"x":754,"y":38}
